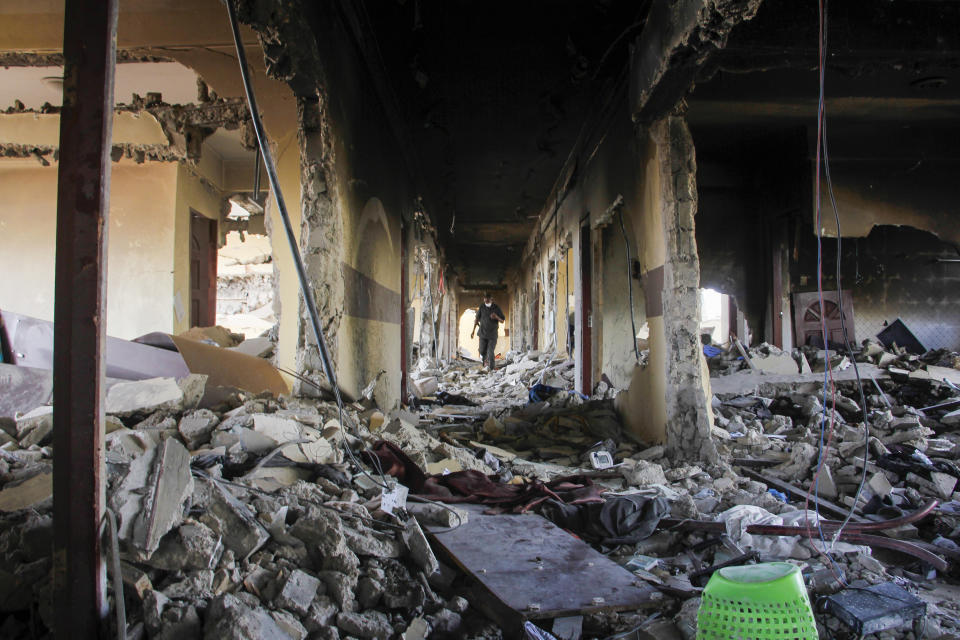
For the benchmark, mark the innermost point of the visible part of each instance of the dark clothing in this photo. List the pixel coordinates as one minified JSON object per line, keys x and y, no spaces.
{"x":488,"y":326}
{"x":488,"y":351}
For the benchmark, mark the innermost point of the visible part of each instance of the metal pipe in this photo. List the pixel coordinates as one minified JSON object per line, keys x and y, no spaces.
{"x":268,"y":162}
{"x":83,"y":204}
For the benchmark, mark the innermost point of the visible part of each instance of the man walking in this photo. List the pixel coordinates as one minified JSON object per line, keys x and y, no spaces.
{"x":489,"y":317}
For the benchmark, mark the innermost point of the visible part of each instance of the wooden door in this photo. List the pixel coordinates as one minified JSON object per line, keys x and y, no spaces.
{"x":203,"y":271}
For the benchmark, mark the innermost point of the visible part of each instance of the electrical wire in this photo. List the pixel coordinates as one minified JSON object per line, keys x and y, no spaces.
{"x":109,"y":525}
{"x":822,"y":153}
{"x":274,"y":180}
{"x":633,"y":321}
{"x":846,"y":340}
{"x":828,"y":370}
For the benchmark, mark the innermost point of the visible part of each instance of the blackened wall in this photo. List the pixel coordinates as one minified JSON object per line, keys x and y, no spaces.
{"x":893,"y":272}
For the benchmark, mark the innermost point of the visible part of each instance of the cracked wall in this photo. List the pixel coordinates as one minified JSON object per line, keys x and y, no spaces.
{"x":689,"y":418}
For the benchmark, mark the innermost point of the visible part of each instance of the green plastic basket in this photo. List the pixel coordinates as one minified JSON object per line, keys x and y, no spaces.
{"x":756,"y":602}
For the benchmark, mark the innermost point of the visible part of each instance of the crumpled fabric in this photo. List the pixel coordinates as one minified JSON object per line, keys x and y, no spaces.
{"x":738,"y":518}
{"x":474,"y":487}
{"x":618,"y":520}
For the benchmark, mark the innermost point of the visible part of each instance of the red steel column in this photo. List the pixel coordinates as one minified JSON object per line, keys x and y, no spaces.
{"x":86,"y":122}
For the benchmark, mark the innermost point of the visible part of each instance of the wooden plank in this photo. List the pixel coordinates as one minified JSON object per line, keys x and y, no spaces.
{"x":537,"y":569}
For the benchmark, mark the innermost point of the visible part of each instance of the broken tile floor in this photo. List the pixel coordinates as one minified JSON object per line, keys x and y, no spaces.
{"x":264,"y":517}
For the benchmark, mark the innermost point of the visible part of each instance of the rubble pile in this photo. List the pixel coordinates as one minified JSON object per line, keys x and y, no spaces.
{"x":221,"y":539}
{"x":767,"y":439}
{"x":266,"y":517}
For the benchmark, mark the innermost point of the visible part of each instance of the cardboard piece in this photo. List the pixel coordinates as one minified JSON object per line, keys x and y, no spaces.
{"x":227,"y":368}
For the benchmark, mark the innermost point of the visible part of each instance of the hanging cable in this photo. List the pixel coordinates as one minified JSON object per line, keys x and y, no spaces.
{"x":305,"y":290}
{"x":633,"y":321}
{"x":822,"y":152}
{"x":824,"y":446}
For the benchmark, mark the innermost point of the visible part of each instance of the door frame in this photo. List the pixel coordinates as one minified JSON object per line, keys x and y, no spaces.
{"x":207,"y":316}
{"x":584,"y":339}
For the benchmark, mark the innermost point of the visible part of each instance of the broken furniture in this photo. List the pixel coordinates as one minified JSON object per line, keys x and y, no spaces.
{"x":760,"y":601}
{"x":527,"y":568}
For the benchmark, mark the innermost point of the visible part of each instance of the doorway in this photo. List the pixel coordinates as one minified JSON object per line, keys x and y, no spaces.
{"x":586,"y":310}
{"x":536,"y":316}
{"x":203,"y":271}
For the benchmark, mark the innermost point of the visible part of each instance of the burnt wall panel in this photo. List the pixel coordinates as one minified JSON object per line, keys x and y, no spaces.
{"x":893,"y":272}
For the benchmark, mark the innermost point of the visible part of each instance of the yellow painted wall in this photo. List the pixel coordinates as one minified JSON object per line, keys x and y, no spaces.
{"x":643,"y":406}
{"x":140,"y":237}
{"x":372,"y":241}
{"x":287,"y":157}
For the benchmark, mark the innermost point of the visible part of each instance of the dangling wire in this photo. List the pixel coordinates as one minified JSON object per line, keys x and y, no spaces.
{"x":633,"y":321}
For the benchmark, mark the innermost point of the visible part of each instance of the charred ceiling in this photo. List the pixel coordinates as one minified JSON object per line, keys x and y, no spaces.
{"x":886,"y":60}
{"x":493,"y":97}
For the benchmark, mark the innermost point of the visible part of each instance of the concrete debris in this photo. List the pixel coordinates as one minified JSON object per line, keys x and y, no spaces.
{"x":222,"y":542}
{"x":144,"y":397}
{"x":28,"y":493}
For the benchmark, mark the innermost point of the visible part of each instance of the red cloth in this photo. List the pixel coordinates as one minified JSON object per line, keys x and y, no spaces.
{"x":475,"y":487}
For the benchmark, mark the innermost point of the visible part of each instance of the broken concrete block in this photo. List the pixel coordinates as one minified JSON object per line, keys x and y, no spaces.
{"x":323,"y":534}
{"x":180,"y":621}
{"x":369,"y":592}
{"x":195,"y":584}
{"x":168,"y":488}
{"x":371,"y":624}
{"x":642,"y":472}
{"x":191,"y":547}
{"x":135,"y":579}
{"x":298,"y":591}
{"x":368,"y":543}
{"x":154,"y":604}
{"x":434,"y":515}
{"x":144,"y":396}
{"x":229,"y":618}
{"x":28,"y":493}
{"x":195,"y":427}
{"x":650,"y":453}
{"x":231,"y":519}
{"x":826,"y":487}
{"x":37,"y":430}
{"x":944,"y":483}
{"x":321,"y":614}
{"x":279,"y":430}
{"x":317,"y":451}
{"x":445,"y":623}
{"x":781,"y":363}
{"x":340,"y":587}
{"x":419,"y":548}
{"x":289,"y":624}
{"x":425,"y":387}
{"x":193,"y":386}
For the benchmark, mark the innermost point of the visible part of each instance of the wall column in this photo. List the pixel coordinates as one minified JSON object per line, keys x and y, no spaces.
{"x":321,"y":235}
{"x":689,"y":417}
